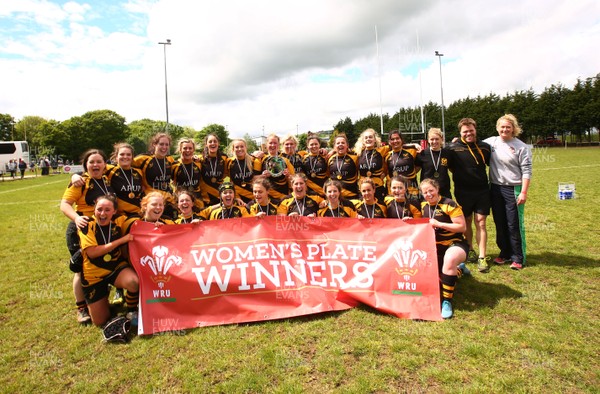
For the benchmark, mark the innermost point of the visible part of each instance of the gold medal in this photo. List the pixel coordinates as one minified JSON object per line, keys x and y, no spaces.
{"x":313,"y":175}
{"x":436,"y":174}
{"x":395,"y":173}
{"x":131,"y":195}
{"x":339,"y":176}
{"x":369,"y":173}
{"x":107,"y":257}
{"x":213,"y":180}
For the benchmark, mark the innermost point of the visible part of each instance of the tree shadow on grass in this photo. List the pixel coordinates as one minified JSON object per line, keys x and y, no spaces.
{"x":472,"y":294}
{"x":561,"y":260}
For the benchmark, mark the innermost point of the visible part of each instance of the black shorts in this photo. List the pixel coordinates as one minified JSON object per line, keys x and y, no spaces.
{"x":441,"y":251}
{"x":100,"y":290}
{"x":474,"y":200}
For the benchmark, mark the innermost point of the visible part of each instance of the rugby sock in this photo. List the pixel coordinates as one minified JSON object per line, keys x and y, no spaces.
{"x":80,"y":304}
{"x":131,"y":299}
{"x":448,"y":284}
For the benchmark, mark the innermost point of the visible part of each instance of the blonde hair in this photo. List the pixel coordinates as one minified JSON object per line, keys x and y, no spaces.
{"x":248,"y":158}
{"x":289,"y":137}
{"x":273,"y":135}
{"x":430,"y":182}
{"x":185,"y":141}
{"x":360,"y":143}
{"x":512,"y":119}
{"x":434,"y":131}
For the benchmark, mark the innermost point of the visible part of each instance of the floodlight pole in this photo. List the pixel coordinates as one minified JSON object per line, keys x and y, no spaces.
{"x":164,"y":44}
{"x":439,"y":55}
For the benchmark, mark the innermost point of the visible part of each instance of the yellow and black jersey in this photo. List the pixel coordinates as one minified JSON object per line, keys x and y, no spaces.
{"x":94,"y":270}
{"x":280,"y":186}
{"x":84,"y":197}
{"x":342,"y":211}
{"x":241,"y":173}
{"x":302,"y":206}
{"x":295,"y":160}
{"x":316,"y":169}
{"x":129,"y":220}
{"x":187,"y":176}
{"x":443,"y":211}
{"x":371,"y":164}
{"x":401,"y":209}
{"x":156,"y":172}
{"x":403,"y":163}
{"x":184,"y":220}
{"x":128,"y":188}
{"x":214,"y":169}
{"x":434,"y":165}
{"x":220,"y":212}
{"x":345,"y":169}
{"x":255,"y":208}
{"x":371,"y":211}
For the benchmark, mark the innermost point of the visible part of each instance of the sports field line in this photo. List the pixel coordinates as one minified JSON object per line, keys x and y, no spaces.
{"x":31,"y":187}
{"x":29,"y":202}
{"x":562,"y":168}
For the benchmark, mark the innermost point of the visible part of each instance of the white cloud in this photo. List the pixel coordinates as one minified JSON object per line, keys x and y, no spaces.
{"x":286,"y":63}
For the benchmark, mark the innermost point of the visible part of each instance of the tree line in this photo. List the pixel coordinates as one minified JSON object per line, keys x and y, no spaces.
{"x":571,"y":114}
{"x":567,"y":113}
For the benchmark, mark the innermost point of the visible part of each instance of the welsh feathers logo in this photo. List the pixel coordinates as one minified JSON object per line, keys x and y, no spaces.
{"x":407,"y":258}
{"x":160,"y":263}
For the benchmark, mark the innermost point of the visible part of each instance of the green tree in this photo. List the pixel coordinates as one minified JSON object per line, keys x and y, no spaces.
{"x":95,"y":129}
{"x":371,"y":121}
{"x":302,"y":141}
{"x":344,"y":126}
{"x":141,"y":132}
{"x":50,"y":138}
{"x":552,"y":112}
{"x":592,"y":107}
{"x":106,"y":128}
{"x":523,"y":104}
{"x":408,"y":122}
{"x":216,"y":129}
{"x":7,"y":125}
{"x":251,"y":145}
{"x":28,"y":129}
{"x":484,"y":110}
{"x":574,"y":105}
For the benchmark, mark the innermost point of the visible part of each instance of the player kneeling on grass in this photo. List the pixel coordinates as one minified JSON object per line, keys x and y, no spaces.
{"x":449,"y":224}
{"x":104,"y":262}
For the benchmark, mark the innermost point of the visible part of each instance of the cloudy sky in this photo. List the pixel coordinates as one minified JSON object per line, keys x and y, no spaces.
{"x":284,"y":65}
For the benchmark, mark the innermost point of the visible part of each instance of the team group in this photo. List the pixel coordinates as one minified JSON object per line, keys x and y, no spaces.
{"x":371,"y":180}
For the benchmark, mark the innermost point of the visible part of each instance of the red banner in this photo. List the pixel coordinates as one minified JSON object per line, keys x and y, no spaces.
{"x":251,"y":269}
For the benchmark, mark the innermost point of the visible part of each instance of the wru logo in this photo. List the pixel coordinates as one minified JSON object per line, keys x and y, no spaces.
{"x":160,"y":262}
{"x":407,"y":258}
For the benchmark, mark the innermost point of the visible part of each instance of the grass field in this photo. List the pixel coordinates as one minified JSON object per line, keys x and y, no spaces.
{"x":536,"y":330}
